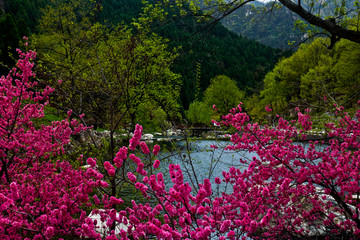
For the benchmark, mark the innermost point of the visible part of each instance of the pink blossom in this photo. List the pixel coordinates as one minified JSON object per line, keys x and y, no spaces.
{"x":120,"y":156}
{"x":281,"y":190}
{"x":213,"y":146}
{"x":156,"y":163}
{"x":91,"y":162}
{"x":131,"y":177}
{"x":144,"y":148}
{"x":135,"y":159}
{"x":135,"y":140}
{"x":53,"y":194}
{"x":156,"y":150}
{"x":268,"y":109}
{"x":49,"y":233}
{"x":96,"y":200}
{"x":231,"y":234}
{"x":217,"y":180}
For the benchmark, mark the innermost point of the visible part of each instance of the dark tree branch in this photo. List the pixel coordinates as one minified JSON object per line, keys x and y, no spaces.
{"x":333,"y":29}
{"x":329,"y":25}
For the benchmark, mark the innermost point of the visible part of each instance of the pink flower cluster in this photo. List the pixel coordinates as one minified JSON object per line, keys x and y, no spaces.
{"x":109,"y":168}
{"x":120,"y":157}
{"x":283,"y":190}
{"x":135,"y":140}
{"x":156,"y":150}
{"x":39,"y":198}
{"x":144,"y":148}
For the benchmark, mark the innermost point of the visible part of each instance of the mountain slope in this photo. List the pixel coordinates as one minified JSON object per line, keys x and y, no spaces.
{"x":273,"y":28}
{"x":217,"y":52}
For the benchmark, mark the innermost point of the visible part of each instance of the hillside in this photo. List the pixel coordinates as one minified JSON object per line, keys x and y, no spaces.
{"x":273,"y":28}
{"x":216,"y":52}
{"x":18,"y":18}
{"x":274,"y":25}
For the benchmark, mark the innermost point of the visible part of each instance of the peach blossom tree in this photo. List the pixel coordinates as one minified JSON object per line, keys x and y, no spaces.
{"x":287,"y":190}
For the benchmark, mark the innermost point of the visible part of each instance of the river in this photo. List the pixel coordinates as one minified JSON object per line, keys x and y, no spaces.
{"x":198,"y":156}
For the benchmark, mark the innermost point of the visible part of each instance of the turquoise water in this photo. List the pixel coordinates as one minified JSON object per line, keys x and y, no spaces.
{"x":198,"y":158}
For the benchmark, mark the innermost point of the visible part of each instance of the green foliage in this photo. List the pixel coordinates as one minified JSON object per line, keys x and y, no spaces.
{"x":254,"y":108}
{"x":199,"y":113}
{"x":17,"y":19}
{"x":152,"y":117}
{"x":115,"y":11}
{"x":51,"y":115}
{"x":347,"y":73}
{"x":107,"y":74}
{"x":223,"y":93}
{"x":217,"y":51}
{"x":314,"y":77}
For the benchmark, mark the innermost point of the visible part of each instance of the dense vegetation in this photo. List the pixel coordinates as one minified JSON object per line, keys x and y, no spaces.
{"x":313,"y":77}
{"x":124,"y":78}
{"x":114,"y":65}
{"x":200,"y":56}
{"x":218,"y":51}
{"x":215,"y":102}
{"x":18,"y":18}
{"x":286,"y":189}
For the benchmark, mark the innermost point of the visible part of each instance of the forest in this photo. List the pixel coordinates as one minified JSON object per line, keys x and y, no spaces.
{"x":84,"y":83}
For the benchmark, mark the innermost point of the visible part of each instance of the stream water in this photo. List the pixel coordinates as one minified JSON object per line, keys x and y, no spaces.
{"x":198,"y":157}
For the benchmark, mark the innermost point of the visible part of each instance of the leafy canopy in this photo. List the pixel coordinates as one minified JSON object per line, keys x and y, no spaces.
{"x":223,"y":93}
{"x":314,"y":77}
{"x":122,"y":65}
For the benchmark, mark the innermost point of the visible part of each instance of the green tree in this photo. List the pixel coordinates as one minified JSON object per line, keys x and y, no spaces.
{"x":199,"y":113}
{"x":347,"y":73}
{"x":219,"y":52}
{"x":223,"y":93}
{"x":115,"y":77}
{"x":289,"y":83}
{"x":314,"y":77}
{"x":106,"y":73}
